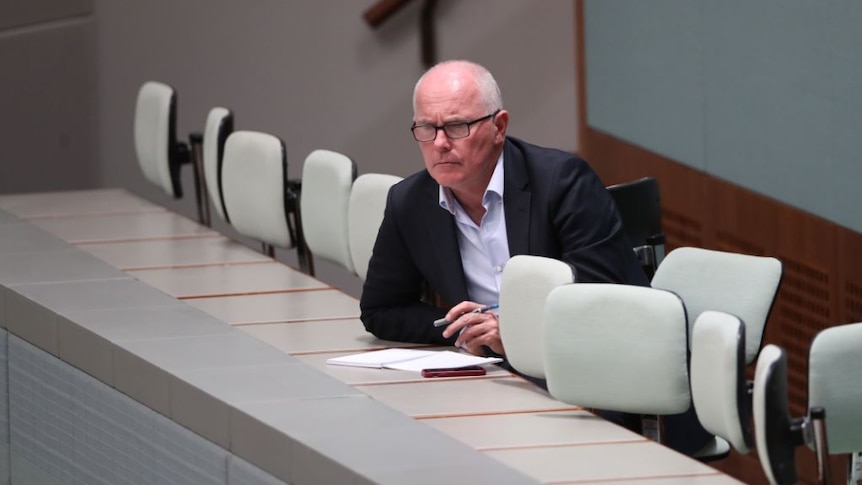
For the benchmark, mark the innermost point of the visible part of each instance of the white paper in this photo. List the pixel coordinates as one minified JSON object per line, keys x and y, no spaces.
{"x":412,"y":359}
{"x":379,"y":358}
{"x":445,"y":359}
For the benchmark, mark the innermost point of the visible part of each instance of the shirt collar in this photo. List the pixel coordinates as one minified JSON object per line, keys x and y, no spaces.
{"x":495,"y":187}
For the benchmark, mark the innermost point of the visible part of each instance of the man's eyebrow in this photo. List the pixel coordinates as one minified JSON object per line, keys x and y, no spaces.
{"x":457,"y":120}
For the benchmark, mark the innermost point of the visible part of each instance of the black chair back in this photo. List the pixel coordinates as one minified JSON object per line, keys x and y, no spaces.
{"x":639,"y":205}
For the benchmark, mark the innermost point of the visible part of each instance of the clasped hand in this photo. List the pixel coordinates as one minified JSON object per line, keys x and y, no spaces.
{"x":474,"y":330}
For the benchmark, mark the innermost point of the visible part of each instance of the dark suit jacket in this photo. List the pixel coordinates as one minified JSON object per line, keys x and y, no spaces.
{"x":555,"y":206}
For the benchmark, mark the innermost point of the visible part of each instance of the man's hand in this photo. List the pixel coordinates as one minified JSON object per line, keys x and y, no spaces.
{"x":474,"y":330}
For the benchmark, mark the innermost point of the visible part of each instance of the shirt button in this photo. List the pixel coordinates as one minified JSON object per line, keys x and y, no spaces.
{"x":498,"y":269}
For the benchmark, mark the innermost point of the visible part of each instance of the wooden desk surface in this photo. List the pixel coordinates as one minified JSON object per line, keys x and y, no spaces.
{"x":305,"y":321}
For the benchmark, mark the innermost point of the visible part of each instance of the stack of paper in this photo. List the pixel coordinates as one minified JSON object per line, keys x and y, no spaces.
{"x":412,"y":359}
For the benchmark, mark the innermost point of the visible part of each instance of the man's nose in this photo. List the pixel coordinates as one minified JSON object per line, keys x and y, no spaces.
{"x":441,"y":140}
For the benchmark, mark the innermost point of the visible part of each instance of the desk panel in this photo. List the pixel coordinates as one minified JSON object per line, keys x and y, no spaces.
{"x":719,"y":479}
{"x":603,"y":462}
{"x":345,"y":336}
{"x":527,"y":430}
{"x":376,"y":441}
{"x":68,"y":264}
{"x":280,"y":307}
{"x":224,"y":280}
{"x":174,"y":253}
{"x":122,"y":227}
{"x":76,"y":203}
{"x":464,"y":397}
{"x":23,"y":237}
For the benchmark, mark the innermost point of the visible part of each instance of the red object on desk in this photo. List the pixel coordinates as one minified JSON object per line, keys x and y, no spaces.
{"x":473,"y":370}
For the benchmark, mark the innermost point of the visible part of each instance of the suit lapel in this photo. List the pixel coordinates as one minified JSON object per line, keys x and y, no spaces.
{"x":516,"y":200}
{"x":442,"y":236}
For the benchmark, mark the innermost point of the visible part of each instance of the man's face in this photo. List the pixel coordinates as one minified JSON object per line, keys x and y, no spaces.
{"x":463,"y":163}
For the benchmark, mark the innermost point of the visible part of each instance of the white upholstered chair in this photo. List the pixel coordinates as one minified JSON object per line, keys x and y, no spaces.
{"x":327,"y":179}
{"x":739,"y":284}
{"x":526,"y":283}
{"x":160,"y":154}
{"x":219,"y":125}
{"x":617,"y":348}
{"x":365,"y":213}
{"x":255,"y":189}
{"x":775,"y":433}
{"x":833,"y":424}
{"x":835,"y":384}
{"x":720,"y":393}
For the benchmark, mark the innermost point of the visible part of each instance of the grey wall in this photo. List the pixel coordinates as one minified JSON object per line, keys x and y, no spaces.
{"x":316,"y":75}
{"x":310,"y":71}
{"x":48,"y":97}
{"x":767,"y":95}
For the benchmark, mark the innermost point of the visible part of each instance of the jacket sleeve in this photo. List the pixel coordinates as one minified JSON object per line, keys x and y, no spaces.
{"x":391,"y":303}
{"x":589,"y":229}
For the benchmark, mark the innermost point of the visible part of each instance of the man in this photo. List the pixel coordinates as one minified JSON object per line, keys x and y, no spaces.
{"x":482,"y":198}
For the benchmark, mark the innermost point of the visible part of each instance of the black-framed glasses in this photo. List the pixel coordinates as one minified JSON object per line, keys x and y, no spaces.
{"x":459,"y":129}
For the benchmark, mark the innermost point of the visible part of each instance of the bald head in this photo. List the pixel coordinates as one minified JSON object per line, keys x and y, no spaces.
{"x":463,"y":79}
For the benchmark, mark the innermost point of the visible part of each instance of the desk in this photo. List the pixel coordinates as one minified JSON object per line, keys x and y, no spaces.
{"x":173,"y":253}
{"x":227,"y":280}
{"x":242,"y":361}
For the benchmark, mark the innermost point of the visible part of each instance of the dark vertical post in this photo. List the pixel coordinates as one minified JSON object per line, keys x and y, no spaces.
{"x":426,"y":26}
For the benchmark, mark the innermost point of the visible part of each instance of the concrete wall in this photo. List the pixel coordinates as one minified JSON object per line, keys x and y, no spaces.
{"x":48,"y":95}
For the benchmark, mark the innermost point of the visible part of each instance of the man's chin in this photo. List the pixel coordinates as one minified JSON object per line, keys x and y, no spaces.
{"x":447,"y":175}
{"x":448,"y":182}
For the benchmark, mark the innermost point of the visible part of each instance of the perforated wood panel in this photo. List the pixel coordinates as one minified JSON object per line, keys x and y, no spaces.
{"x":853,"y":301}
{"x":802,"y":309}
{"x":725,"y":241}
{"x":849,"y":247}
{"x":681,"y":230}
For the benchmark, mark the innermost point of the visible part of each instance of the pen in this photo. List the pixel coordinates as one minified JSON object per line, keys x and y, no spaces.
{"x":482,"y":309}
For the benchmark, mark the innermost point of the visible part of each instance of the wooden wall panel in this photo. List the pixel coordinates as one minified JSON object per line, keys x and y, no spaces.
{"x":617,"y":162}
{"x":742,"y":221}
{"x":849,"y":262}
{"x":684,"y":208}
{"x":808,"y":300}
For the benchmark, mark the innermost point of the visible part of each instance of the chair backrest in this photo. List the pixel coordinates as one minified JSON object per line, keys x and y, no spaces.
{"x":639,"y":205}
{"x":718,"y":385}
{"x":774,"y":432}
{"x":364,"y":215}
{"x":617,"y":348}
{"x":218,"y":126}
{"x":524,"y":288}
{"x":833,"y":424}
{"x":254,"y":180}
{"x":739,"y":284}
{"x":835,"y":384}
{"x":160,"y":155}
{"x":327,"y":179}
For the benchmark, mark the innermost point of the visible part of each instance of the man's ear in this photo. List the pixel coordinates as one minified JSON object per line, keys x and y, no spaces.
{"x":501,"y":121}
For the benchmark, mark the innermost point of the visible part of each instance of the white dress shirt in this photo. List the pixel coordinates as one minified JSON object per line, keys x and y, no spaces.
{"x":484,"y":248}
